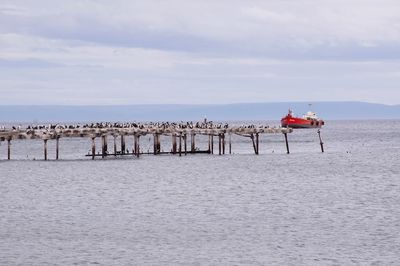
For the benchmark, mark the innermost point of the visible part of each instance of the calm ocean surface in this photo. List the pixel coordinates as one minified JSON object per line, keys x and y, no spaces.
{"x":306,"y":208}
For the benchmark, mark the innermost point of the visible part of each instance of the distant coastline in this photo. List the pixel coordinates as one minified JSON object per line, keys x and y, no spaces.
{"x":177,"y":112}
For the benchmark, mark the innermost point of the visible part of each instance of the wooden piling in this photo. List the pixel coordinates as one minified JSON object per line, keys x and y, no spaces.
{"x":115,"y":145}
{"x":155,"y":144}
{"x":93,"y":147}
{"x":287,"y":143}
{"x":45,"y":149}
{"x":122,"y":144}
{"x":257,"y":144}
{"x":185,"y":143}
{"x":192,"y":142}
{"x":223,"y":143}
{"x":174,"y":143}
{"x":103,"y":148}
{"x":158,"y":144}
{"x":9,"y":149}
{"x":57,"y":147}
{"x":209,"y":144}
{"x":320,"y":141}
{"x":230,"y":143}
{"x":134,"y":146}
{"x":212,"y":144}
{"x":180,"y":144}
{"x":137,"y":145}
{"x":254,"y":144}
{"x":105,"y":144}
{"x":219,"y":144}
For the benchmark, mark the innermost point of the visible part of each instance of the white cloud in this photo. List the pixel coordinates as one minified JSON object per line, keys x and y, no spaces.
{"x":198,"y":51}
{"x":266,"y":22}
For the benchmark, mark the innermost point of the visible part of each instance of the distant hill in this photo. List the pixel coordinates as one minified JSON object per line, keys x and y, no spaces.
{"x":163,"y":112}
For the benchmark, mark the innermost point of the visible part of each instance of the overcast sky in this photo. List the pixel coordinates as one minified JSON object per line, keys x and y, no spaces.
{"x":217,"y":51}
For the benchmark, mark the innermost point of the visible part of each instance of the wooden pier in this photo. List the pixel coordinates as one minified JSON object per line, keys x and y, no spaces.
{"x":179,"y":134}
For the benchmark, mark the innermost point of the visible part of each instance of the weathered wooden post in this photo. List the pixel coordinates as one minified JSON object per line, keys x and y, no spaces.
{"x":173,"y":143}
{"x":254,"y":144}
{"x":57,"y":146}
{"x":9,"y":148}
{"x":223,"y":143}
{"x":158,"y":146}
{"x":103,"y":148}
{"x":180,"y":144}
{"x":209,"y":144}
{"x":212,"y":143}
{"x":93,"y":147}
{"x":122,"y":144}
{"x":320,"y":141}
{"x":230,"y":143}
{"x":138,"y":146}
{"x":45,"y":149}
{"x":287,"y":143}
{"x":192,"y":142}
{"x":134,"y":144}
{"x":219,"y":144}
{"x":155,"y":143}
{"x":115,"y":145}
{"x":106,"y":145}
{"x":185,"y":143}
{"x":257,"y":144}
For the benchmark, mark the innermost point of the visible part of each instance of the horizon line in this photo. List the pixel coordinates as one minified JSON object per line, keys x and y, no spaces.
{"x":192,"y":104}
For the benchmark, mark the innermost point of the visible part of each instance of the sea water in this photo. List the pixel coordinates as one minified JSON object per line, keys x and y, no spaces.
{"x":341,"y":207}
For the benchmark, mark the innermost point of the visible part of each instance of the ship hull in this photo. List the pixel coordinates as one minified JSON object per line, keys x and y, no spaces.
{"x":295,"y":122}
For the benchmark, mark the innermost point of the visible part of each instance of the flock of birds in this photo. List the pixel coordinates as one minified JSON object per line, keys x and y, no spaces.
{"x":159,"y":125}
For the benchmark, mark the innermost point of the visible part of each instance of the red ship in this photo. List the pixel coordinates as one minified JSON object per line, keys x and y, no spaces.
{"x":309,"y":120}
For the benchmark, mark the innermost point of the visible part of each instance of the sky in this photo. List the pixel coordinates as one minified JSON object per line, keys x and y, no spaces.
{"x":87,"y":52}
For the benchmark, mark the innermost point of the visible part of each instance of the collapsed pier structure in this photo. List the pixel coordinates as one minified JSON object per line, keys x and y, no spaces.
{"x":133,"y":132}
